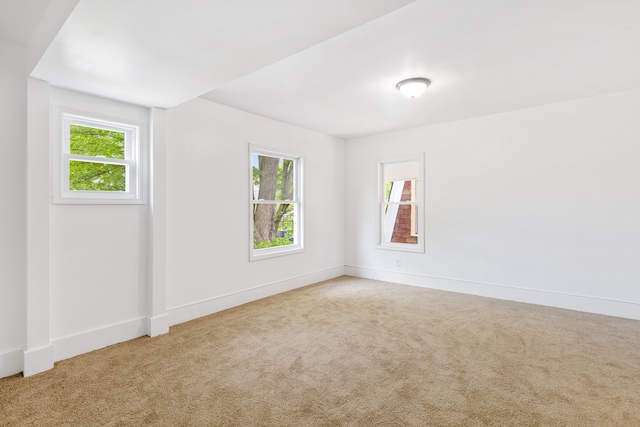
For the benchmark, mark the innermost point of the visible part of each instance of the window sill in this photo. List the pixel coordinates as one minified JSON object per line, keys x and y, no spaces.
{"x":266,"y":253}
{"x":93,"y":198}
{"x":402,"y":247}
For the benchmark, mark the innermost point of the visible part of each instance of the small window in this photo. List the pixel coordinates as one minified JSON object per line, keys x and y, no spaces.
{"x":276,"y":203}
{"x":400,"y":203}
{"x":98,"y":161}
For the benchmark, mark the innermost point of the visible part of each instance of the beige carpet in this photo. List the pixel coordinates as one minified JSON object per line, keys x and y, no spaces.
{"x":351,"y":352}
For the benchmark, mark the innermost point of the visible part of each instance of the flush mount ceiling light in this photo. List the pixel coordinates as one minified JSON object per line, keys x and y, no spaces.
{"x":413,"y":87}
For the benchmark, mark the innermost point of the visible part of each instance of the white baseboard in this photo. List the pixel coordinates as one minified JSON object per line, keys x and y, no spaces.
{"x":589,"y":304}
{"x":157,"y":325}
{"x":11,"y":363}
{"x":85,"y":342}
{"x":37,"y":360}
{"x":198,"y":309}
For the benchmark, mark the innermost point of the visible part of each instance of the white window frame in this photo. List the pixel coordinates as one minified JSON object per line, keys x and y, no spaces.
{"x":63,"y":118}
{"x":298,"y":202}
{"x":417,"y":219}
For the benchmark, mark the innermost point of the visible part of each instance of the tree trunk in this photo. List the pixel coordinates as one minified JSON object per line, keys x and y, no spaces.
{"x":267,"y":218}
{"x":263,"y":215}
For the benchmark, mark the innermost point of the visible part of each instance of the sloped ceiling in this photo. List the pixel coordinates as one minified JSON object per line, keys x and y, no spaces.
{"x":165,"y":52}
{"x":332,"y":65}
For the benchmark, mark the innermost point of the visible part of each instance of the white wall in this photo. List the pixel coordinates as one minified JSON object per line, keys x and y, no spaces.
{"x":539,"y":205}
{"x":99,"y":266}
{"x":13,"y":127}
{"x":208,"y":264}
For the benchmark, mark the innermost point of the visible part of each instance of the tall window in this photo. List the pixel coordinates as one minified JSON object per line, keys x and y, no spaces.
{"x":98,"y":161}
{"x":276,"y":203}
{"x":400,"y":203}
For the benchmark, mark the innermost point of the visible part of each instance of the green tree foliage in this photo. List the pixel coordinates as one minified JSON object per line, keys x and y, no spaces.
{"x":273,"y":223}
{"x":96,"y":176}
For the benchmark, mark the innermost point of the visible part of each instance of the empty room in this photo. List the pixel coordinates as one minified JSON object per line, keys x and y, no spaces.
{"x":319,"y":213}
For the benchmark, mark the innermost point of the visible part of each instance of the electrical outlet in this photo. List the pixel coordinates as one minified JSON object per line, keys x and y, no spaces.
{"x":398,"y":263}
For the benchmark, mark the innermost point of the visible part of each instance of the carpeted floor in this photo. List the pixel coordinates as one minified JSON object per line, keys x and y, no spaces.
{"x":351,"y":352}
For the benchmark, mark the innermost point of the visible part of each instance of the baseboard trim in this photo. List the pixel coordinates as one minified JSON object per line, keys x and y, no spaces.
{"x":37,"y":360}
{"x":589,"y":304}
{"x":157,"y":325}
{"x":41,"y":359}
{"x":74,"y":345}
{"x":202,"y":308}
{"x":11,"y":363}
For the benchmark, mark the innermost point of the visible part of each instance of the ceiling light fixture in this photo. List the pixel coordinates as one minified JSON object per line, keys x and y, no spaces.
{"x":412,"y":88}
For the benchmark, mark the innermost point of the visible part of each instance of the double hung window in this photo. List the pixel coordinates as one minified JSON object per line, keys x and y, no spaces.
{"x":98,"y":161}
{"x":400,"y":223}
{"x":276,"y":203}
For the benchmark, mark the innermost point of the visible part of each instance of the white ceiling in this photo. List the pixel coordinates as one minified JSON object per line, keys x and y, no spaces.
{"x":483,"y":57}
{"x":332,"y":65}
{"x":165,"y":52}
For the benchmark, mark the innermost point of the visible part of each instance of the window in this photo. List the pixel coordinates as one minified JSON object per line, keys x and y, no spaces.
{"x":400,"y":224}
{"x":276,"y":203}
{"x":98,"y":161}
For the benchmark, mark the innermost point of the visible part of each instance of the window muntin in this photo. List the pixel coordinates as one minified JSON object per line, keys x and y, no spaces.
{"x":98,"y":161}
{"x":276,"y":206}
{"x":400,"y":203}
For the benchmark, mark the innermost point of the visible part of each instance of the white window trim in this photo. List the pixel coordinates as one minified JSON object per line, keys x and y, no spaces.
{"x":135,"y":133}
{"x":299,"y":191}
{"x":380,"y":190}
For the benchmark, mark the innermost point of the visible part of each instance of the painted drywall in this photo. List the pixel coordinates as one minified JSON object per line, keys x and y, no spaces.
{"x":208,"y":207}
{"x":538,"y":205}
{"x":13,"y":128}
{"x":38,"y":352}
{"x":98,"y":256}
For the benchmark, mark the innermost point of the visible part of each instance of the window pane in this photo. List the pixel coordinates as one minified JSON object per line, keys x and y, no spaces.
{"x":273,"y":178}
{"x":400,"y":191}
{"x":88,"y":141}
{"x":400,"y":171}
{"x":399,"y":223}
{"x":91,"y":176}
{"x":273,"y":225}
{"x":400,"y":194}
